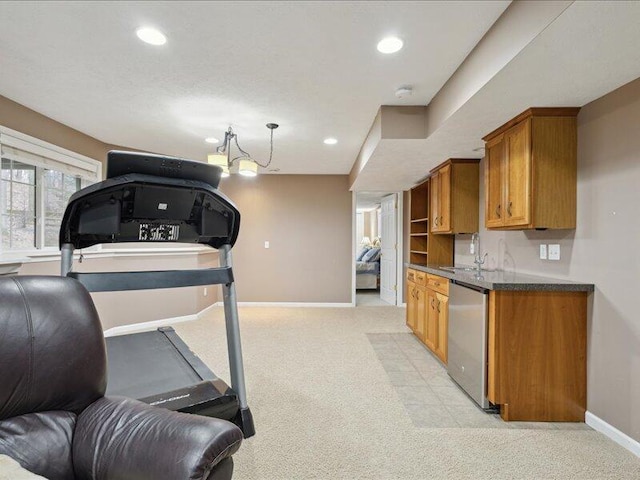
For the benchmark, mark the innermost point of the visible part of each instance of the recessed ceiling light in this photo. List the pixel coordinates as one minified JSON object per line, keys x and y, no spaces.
{"x":211,"y":140}
{"x":330,"y":141}
{"x":390,"y":45}
{"x":151,"y":36}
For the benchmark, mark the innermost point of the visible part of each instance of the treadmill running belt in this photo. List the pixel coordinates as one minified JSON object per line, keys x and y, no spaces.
{"x":146,"y":364}
{"x":159,"y":369}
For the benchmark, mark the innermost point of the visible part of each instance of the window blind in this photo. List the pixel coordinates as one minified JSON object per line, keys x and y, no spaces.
{"x":21,"y":150}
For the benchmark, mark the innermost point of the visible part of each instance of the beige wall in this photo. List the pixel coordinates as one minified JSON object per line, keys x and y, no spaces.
{"x":20,"y":118}
{"x":371,"y":228}
{"x":307,"y":220}
{"x":602,"y":250}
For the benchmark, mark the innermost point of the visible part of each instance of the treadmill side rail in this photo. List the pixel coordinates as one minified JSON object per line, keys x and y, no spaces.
{"x":244,"y":419}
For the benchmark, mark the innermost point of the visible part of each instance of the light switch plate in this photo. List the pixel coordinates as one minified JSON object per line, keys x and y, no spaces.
{"x":266,"y":244}
{"x":543,"y":251}
{"x":554,"y":251}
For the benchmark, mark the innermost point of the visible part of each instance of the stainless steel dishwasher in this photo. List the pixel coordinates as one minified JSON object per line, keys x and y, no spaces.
{"x":468,"y":323}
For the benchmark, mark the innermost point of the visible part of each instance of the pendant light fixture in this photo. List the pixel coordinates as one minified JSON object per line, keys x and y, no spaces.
{"x":246,"y":165}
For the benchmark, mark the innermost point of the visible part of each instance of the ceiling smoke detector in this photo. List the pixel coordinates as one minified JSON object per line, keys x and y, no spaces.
{"x":404,"y":91}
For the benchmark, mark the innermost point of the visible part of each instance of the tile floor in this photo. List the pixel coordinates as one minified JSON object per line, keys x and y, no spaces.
{"x":430,"y":397}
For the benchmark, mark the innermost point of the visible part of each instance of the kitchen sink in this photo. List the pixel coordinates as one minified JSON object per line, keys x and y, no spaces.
{"x":457,"y":269}
{"x":466,"y":269}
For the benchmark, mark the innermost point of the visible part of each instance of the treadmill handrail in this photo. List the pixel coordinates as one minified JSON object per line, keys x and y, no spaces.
{"x":148,"y":280}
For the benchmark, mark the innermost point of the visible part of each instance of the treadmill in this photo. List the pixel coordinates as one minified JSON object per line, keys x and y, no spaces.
{"x":154,"y":198}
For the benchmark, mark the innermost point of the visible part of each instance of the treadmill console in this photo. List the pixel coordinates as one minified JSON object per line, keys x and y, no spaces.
{"x":153,"y":199}
{"x":122,"y":163}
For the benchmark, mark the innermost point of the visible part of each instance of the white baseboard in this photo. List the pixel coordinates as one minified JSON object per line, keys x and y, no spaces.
{"x":613,"y":433}
{"x":146,"y":326}
{"x":206,"y":309}
{"x":166,"y":322}
{"x":291,"y":304}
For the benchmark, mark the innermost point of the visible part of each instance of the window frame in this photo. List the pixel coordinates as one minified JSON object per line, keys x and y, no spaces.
{"x":91,"y":171}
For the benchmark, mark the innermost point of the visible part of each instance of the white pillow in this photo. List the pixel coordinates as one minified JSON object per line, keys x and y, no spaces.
{"x":362,"y":253}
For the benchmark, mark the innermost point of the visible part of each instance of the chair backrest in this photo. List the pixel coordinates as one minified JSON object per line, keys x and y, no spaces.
{"x":52,"y":351}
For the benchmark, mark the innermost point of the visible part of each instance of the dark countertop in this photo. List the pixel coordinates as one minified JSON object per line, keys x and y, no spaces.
{"x":501,"y":280}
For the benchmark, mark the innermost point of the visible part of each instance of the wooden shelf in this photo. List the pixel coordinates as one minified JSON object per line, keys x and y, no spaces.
{"x":420,"y":239}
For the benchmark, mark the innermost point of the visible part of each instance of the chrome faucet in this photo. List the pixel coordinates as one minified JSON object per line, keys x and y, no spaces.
{"x":479,"y":259}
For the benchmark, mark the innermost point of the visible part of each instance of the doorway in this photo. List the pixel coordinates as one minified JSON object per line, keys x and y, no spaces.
{"x":377,"y":248}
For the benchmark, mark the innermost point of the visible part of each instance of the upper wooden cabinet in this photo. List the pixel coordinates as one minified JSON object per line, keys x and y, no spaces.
{"x":531,"y":171}
{"x":454,"y":196}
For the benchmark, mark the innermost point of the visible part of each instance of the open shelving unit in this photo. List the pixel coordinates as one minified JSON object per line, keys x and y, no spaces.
{"x":424,"y":247}
{"x":419,"y":230}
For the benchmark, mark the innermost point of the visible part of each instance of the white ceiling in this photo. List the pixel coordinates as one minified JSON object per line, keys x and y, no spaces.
{"x":588,"y":51}
{"x":312,"y":67}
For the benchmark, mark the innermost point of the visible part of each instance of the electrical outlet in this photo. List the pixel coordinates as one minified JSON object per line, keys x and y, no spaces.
{"x":554,"y":251}
{"x":543,"y":251}
{"x":205,"y":291}
{"x":472,"y":248}
{"x":266,"y":244}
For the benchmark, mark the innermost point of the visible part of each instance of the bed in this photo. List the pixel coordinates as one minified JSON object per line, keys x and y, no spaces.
{"x":368,"y":268}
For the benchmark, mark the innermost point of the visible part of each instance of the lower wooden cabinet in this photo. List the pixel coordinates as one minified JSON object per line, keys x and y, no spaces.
{"x":428,"y":310}
{"x":536,"y":346}
{"x":412,"y":304}
{"x":537,"y":355}
{"x":442,"y":307}
{"x":431,"y":335}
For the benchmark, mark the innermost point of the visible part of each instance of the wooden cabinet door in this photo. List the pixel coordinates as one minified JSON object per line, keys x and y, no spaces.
{"x":411,"y":306}
{"x":444,"y":199}
{"x":517,"y":168}
{"x":442,"y":305}
{"x":431,"y":331}
{"x":421,"y":312}
{"x":434,"y":197}
{"x":493,"y":184}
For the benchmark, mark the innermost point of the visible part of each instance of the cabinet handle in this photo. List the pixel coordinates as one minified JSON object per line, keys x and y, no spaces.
{"x":498,"y":209}
{"x":432,"y":305}
{"x":441,"y":221}
{"x":438,"y":306}
{"x":509,"y":208}
{"x":417,"y":294}
{"x":435,"y":222}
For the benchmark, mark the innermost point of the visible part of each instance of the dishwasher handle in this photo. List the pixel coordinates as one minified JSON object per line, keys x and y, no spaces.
{"x":472,"y":287}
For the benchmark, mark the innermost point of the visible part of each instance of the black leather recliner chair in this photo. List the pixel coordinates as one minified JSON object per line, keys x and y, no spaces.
{"x":54,"y":418}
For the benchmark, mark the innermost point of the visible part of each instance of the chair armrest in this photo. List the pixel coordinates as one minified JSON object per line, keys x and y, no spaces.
{"x":118,"y":437}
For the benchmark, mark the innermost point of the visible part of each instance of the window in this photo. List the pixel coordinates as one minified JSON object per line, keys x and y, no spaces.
{"x":36,"y":181}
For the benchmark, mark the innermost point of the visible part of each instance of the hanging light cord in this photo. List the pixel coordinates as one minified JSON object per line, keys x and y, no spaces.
{"x":229,"y":136}
{"x":272,"y":127}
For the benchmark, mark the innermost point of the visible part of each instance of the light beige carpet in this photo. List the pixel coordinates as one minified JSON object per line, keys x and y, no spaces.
{"x":325,"y":408}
